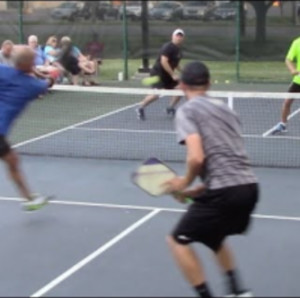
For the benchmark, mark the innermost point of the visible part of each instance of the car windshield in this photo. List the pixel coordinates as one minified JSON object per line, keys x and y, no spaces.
{"x":196,"y":3}
{"x":166,"y":5}
{"x":227,"y":5}
{"x":67,"y":5}
{"x":133,"y":3}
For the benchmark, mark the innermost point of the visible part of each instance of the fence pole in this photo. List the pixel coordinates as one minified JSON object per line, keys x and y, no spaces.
{"x":21,"y":34}
{"x":237,"y":41}
{"x":125,"y":41}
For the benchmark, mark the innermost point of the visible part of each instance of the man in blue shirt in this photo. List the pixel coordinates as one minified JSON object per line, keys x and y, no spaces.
{"x":17,"y":88}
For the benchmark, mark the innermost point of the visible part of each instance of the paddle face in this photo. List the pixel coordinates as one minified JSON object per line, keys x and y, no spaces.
{"x":151,"y":175}
{"x":151,"y":80}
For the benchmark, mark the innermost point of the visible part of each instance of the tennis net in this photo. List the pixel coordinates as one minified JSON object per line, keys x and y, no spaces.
{"x":100,"y":122}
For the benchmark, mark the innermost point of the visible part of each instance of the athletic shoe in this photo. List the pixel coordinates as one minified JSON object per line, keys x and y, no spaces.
{"x":140,"y":113}
{"x":171,"y":111}
{"x":279,"y":128}
{"x":242,"y":294}
{"x":36,"y":203}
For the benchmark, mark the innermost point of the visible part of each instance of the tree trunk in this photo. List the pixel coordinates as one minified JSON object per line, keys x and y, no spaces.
{"x":145,"y":37}
{"x":242,"y":19}
{"x":261,"y":15}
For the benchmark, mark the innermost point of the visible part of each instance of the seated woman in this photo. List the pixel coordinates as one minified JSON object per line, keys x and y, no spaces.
{"x":42,"y":67}
{"x":87,"y":66}
{"x":52,"y":52}
{"x":69,"y":61}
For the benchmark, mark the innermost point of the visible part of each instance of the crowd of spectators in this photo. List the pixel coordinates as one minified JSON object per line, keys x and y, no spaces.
{"x":57,"y":56}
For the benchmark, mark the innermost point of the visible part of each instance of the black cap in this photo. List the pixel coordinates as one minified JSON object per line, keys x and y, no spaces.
{"x":195,"y":74}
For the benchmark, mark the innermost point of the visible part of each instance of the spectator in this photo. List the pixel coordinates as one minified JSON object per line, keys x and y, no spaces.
{"x":51,"y":51}
{"x":42,"y":67}
{"x":88,"y":67}
{"x":69,"y":61}
{"x":6,"y":53}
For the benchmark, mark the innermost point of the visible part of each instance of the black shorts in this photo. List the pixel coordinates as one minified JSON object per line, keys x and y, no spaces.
{"x":294,"y":88}
{"x":217,"y":214}
{"x":4,"y":146}
{"x":166,"y":82}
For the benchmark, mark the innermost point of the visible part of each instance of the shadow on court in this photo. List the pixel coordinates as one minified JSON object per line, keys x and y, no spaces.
{"x":102,"y":236}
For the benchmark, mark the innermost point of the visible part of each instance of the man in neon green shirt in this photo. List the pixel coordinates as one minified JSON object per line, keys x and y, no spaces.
{"x":292,"y":62}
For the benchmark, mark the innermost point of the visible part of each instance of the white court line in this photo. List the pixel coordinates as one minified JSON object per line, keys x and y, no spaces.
{"x":126,"y":130}
{"x":143,"y":131}
{"x":93,"y":255}
{"x":74,"y":126}
{"x":265,"y":134}
{"x":144,"y":208}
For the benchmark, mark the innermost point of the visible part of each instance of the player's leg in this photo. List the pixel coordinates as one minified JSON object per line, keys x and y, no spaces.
{"x":141,"y":109}
{"x":193,"y":227}
{"x":236,"y":207}
{"x":281,"y":127}
{"x":286,"y":110}
{"x":171,"y":108}
{"x":13,"y":166}
{"x":190,"y":266}
{"x":226,"y":261}
{"x":12,"y":162}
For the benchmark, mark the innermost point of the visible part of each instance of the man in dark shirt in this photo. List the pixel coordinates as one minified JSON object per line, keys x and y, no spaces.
{"x":164,"y":67}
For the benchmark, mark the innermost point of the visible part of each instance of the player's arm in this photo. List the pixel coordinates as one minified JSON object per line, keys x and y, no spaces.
{"x":291,"y":67}
{"x":164,"y":60}
{"x":194,"y":163}
{"x":290,"y":58}
{"x":195,"y":157}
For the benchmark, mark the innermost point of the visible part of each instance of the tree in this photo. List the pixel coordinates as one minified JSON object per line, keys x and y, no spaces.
{"x":261,"y":8}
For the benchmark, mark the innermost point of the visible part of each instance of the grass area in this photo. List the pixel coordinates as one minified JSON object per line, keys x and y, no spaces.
{"x":221,"y":71}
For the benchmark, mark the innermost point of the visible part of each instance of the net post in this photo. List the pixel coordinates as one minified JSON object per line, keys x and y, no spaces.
{"x":125,"y":41}
{"x":237,"y":41}
{"x":21,"y":34}
{"x":230,"y":102}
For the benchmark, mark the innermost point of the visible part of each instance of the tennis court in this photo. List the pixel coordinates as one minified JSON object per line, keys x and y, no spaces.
{"x":101,"y":236}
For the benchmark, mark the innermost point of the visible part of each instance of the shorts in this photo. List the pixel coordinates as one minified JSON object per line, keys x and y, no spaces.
{"x":4,"y":147}
{"x":217,"y":214}
{"x":166,"y":82}
{"x":294,"y":88}
{"x":70,"y":63}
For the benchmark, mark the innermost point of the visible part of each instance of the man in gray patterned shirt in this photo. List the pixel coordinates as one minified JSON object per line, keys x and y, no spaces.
{"x":223,"y":203}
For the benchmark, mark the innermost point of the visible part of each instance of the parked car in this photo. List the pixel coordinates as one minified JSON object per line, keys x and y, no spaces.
{"x":105,"y":10}
{"x":166,"y":10}
{"x":66,"y":10}
{"x":133,"y":10}
{"x":223,"y":11}
{"x":195,"y":9}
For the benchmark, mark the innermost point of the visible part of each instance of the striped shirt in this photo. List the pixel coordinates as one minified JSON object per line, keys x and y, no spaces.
{"x":226,"y":162}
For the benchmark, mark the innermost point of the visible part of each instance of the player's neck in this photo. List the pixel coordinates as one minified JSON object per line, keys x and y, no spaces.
{"x":195,"y":93}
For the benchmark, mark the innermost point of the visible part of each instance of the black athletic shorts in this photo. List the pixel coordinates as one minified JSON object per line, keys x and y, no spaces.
{"x":295,"y":88}
{"x":4,"y":146}
{"x":217,"y":214}
{"x":166,"y":81}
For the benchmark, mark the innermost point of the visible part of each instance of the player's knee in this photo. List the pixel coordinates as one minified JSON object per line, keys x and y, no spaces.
{"x":170,"y":240}
{"x":288,"y":102}
{"x":12,"y":161}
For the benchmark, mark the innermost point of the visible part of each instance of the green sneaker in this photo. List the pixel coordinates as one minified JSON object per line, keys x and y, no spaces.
{"x":37,"y":203}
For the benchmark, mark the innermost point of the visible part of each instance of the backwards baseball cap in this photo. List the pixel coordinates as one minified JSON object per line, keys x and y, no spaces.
{"x":178,"y":31}
{"x":195,"y":74}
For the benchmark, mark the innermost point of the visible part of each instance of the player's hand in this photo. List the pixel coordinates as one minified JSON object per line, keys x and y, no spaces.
{"x":175,"y":77}
{"x":175,"y":185}
{"x":296,"y":73}
{"x":180,"y":197}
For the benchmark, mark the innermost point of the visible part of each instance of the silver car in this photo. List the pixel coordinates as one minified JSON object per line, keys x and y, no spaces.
{"x":66,"y":10}
{"x":195,"y":9}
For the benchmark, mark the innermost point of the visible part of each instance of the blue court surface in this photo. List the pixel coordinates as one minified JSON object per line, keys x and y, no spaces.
{"x":102,"y":236}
